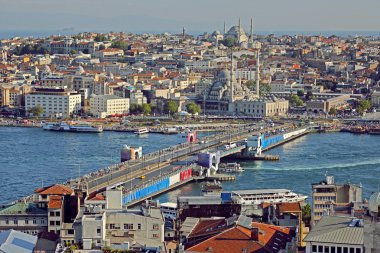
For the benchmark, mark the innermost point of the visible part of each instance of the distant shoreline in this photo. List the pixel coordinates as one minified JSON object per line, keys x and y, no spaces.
{"x":6,"y":34}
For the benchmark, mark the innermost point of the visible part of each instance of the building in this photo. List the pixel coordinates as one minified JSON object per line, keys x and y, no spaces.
{"x":330,"y":198}
{"x":123,"y":230}
{"x":24,"y":217}
{"x":375,"y":98}
{"x":336,"y":234}
{"x":13,"y":95}
{"x":326,"y":105}
{"x":56,"y":102}
{"x":12,"y":241}
{"x":262,"y":107}
{"x":104,"y":105}
{"x":110,"y":54}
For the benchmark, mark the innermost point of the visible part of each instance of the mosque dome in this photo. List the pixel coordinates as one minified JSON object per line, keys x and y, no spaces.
{"x":235,"y":31}
{"x":374,"y":202}
{"x":216,"y":33}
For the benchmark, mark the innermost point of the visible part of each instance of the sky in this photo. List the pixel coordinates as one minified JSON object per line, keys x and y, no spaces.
{"x":195,"y":15}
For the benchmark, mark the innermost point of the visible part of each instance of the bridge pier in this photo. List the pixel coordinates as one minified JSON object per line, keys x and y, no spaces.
{"x":209,"y":161}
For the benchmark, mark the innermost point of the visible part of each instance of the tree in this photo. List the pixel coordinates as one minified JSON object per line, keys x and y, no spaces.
{"x":101,"y":47}
{"x":100,"y":37}
{"x":120,"y":44}
{"x":333,"y":111}
{"x":250,"y":84}
{"x":309,"y":95}
{"x":264,"y":89}
{"x":72,"y":52}
{"x":171,"y":107}
{"x":147,"y":109}
{"x":36,"y":111}
{"x":229,"y":42}
{"x":295,"y":100}
{"x":306,"y":213}
{"x":193,"y":108}
{"x":135,"y":109}
{"x":300,"y":93}
{"x":364,"y":105}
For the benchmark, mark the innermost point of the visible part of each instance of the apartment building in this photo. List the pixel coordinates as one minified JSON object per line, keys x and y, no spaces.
{"x":330,"y":198}
{"x":56,"y":102}
{"x":104,"y":105}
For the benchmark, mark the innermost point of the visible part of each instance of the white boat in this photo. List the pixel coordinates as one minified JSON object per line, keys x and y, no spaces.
{"x":257,"y":197}
{"x":72,"y":127}
{"x":169,"y":210}
{"x":230,"y":168}
{"x":142,"y":130}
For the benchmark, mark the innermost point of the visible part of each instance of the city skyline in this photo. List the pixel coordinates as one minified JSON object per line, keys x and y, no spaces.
{"x":196,"y":16}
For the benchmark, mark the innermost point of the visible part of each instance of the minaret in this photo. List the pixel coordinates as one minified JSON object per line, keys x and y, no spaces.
{"x":258,"y":73}
{"x":250,"y":42}
{"x":183,"y":32}
{"x":224,"y":28}
{"x":231,"y":83}
{"x":239,"y":32}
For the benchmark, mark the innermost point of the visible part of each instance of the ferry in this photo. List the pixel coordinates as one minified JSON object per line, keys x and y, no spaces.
{"x":212,"y":188}
{"x":230,"y":168}
{"x":257,"y":197}
{"x":169,"y":210}
{"x":375,"y":130}
{"x":142,"y":130}
{"x":72,"y":127}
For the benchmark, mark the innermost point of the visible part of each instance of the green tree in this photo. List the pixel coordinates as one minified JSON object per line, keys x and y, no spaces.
{"x":135,"y":109}
{"x":36,"y":111}
{"x":295,"y":100}
{"x":333,"y":111}
{"x":100,"y":37}
{"x":147,"y":109}
{"x":171,"y":107}
{"x":264,"y":89}
{"x":250,"y":84}
{"x":193,"y":108}
{"x":230,"y":42}
{"x":121,"y":44}
{"x":363,"y":106}
{"x":300,"y":93}
{"x":306,"y":213}
{"x":309,"y":95}
{"x":101,"y":47}
{"x":72,"y":51}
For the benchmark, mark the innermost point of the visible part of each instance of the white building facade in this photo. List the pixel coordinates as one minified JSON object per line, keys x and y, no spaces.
{"x":104,"y":105}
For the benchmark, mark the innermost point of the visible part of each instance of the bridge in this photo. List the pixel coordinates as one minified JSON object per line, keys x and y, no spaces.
{"x":153,"y":173}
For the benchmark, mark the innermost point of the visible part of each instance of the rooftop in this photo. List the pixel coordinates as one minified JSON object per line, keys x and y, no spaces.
{"x":22,"y":208}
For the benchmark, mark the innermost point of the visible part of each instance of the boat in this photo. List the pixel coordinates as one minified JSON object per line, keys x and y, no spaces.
{"x":211,"y":188}
{"x":169,"y":210}
{"x":230,"y":167}
{"x":257,"y":197}
{"x":141,"y":130}
{"x":72,"y":127}
{"x":358,"y":130}
{"x":375,"y":130}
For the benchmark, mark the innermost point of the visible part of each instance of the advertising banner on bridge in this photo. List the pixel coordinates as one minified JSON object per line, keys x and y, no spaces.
{"x":186,"y":174}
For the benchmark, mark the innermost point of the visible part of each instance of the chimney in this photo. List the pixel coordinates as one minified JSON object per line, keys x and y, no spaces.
{"x":255,"y":234}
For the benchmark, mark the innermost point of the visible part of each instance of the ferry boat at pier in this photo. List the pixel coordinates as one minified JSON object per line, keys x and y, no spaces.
{"x":257,"y":197}
{"x":72,"y":127}
{"x":169,"y":210}
{"x":375,"y":130}
{"x":141,"y":131}
{"x":211,"y":188}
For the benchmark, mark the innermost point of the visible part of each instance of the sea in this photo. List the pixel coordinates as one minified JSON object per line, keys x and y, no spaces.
{"x":31,"y":158}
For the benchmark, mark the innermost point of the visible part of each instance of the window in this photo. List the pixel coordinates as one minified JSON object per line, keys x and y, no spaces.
{"x":156,"y":226}
{"x":314,"y":248}
{"x":345,"y":250}
{"x":35,"y":221}
{"x":52,"y":214}
{"x":51,"y":223}
{"x":6,"y":221}
{"x":358,"y":250}
{"x":139,"y":226}
{"x":112,"y":226}
{"x":339,"y":249}
{"x":98,"y":231}
{"x":70,"y":231}
{"x":155,"y":235}
{"x":332,"y":249}
{"x":352,"y":250}
{"x":327,"y":249}
{"x":128,"y":226}
{"x":57,"y":223}
{"x":15,"y":221}
{"x":57,"y":213}
{"x":320,"y":248}
{"x":26,"y":221}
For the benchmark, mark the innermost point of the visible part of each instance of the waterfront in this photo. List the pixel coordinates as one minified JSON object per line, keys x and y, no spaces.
{"x":349,"y":157}
{"x":37,"y":157}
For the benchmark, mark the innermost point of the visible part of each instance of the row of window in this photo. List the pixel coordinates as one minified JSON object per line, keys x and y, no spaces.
{"x":325,"y":198}
{"x":26,"y":221}
{"x":334,"y":249}
{"x":130,"y":226}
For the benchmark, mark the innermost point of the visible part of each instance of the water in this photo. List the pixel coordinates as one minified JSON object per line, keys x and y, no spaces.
{"x":33,"y":157}
{"x":350,"y":158}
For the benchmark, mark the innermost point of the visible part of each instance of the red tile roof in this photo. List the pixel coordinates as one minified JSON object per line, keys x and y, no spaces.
{"x":289,"y":207}
{"x":55,"y":202}
{"x":98,"y":197}
{"x":57,"y":189}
